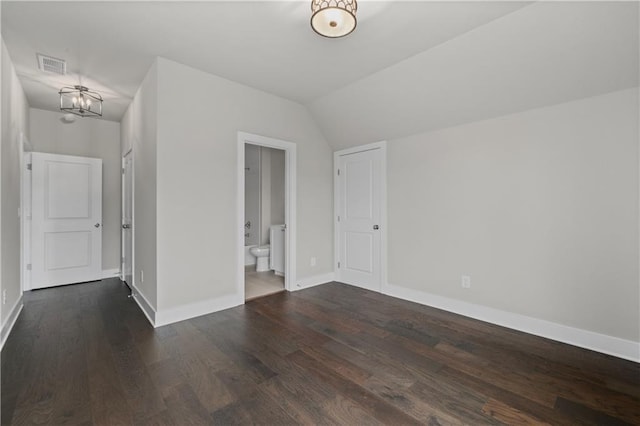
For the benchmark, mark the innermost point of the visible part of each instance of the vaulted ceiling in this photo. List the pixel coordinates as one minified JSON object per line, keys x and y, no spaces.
{"x":408,"y":67}
{"x":543,"y":54}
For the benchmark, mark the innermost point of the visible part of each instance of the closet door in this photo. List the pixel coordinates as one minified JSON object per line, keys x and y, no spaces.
{"x":66,"y":219}
{"x":359,"y":186}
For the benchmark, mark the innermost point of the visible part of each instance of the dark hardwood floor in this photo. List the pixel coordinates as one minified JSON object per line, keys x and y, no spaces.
{"x":332,"y":354}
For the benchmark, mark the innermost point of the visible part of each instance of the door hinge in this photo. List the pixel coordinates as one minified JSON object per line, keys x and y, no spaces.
{"x":338,"y":265}
{"x":28,"y":266}
{"x":338,"y":172}
{"x":123,"y":170}
{"x":29,"y":166}
{"x":122,"y":260}
{"x":338,"y":218}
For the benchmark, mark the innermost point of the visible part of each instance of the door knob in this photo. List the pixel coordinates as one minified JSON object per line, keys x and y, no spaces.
{"x":126,"y":226}
{"x":376,"y":227}
{"x":97,"y":225}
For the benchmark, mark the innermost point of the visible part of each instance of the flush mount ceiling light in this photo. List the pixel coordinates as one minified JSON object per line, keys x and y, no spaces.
{"x":333,"y":18}
{"x":80,"y":101}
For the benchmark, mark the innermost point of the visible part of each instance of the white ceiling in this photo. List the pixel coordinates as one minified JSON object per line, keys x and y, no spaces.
{"x":109,"y":46}
{"x":409,"y":67}
{"x":544,"y":54}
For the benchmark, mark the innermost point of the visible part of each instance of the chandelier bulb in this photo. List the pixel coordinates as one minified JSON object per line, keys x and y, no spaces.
{"x":81,"y":101}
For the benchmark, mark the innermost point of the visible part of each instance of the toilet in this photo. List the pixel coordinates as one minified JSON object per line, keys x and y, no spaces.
{"x":262,"y":257}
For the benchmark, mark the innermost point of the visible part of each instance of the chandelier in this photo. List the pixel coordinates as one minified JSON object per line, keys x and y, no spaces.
{"x":81,"y":101}
{"x":333,"y":18}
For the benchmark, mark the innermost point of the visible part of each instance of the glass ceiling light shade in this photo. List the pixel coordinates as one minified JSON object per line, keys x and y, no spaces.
{"x":333,"y":18}
{"x":80,"y":101}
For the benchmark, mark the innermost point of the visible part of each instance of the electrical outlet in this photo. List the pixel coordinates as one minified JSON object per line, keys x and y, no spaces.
{"x":313,"y":261}
{"x":4,"y":296}
{"x":141,"y":276}
{"x":466,"y":281}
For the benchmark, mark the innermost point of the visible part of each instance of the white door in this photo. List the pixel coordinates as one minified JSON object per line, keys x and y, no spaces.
{"x":127,"y":219}
{"x":359,"y":209}
{"x":66,"y":219}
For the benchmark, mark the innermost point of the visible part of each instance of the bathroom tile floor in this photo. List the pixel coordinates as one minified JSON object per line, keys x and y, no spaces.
{"x":258,"y":284}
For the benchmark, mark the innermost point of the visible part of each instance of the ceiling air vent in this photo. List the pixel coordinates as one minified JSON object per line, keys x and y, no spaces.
{"x":49,"y":64}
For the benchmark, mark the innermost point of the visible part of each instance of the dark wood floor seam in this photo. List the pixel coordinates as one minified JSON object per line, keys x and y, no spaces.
{"x":332,"y":354}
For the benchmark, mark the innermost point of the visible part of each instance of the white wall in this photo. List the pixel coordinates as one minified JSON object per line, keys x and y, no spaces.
{"x":15,"y":120}
{"x":277,"y":186}
{"x":264,"y":191}
{"x":540,"y":208}
{"x":272,"y":172}
{"x":139,"y":132}
{"x":197,"y":148}
{"x":265,"y":194}
{"x":252,"y":194}
{"x":88,"y":137}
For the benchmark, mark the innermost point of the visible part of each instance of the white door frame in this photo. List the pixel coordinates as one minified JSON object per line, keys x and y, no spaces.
{"x":382,"y":145}
{"x":289,"y":207}
{"x":25,"y":213}
{"x":133,"y":215}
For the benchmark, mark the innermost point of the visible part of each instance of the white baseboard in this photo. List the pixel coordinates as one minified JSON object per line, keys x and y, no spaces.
{"x":110,"y":273}
{"x":621,"y":348}
{"x":10,"y":321}
{"x":192,"y":310}
{"x":144,"y":305}
{"x":313,"y":281}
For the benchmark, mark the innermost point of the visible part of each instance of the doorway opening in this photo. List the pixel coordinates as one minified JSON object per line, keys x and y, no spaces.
{"x":266,"y":216}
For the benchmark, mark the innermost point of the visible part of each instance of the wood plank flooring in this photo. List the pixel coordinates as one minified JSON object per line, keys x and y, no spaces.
{"x":332,"y":354}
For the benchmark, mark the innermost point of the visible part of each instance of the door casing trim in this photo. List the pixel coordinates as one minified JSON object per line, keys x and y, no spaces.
{"x":122,"y":212}
{"x":289,"y":210}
